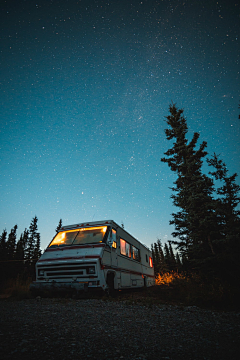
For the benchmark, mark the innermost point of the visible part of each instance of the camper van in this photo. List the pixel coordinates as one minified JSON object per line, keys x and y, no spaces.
{"x":94,"y":255}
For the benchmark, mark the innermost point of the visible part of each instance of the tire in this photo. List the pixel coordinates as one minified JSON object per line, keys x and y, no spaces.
{"x":110,"y":283}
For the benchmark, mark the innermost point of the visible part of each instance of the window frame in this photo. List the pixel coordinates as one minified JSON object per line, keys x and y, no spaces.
{"x":127,"y":254}
{"x":138,"y":259}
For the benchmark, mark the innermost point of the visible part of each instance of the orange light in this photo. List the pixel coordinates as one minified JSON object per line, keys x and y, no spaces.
{"x":102,"y":228}
{"x":59,"y":238}
{"x":150,"y":262}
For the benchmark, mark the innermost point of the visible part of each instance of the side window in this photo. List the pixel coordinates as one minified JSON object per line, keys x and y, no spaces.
{"x":150,"y":262}
{"x":125,"y":248}
{"x":136,"y":253}
{"x":114,"y":238}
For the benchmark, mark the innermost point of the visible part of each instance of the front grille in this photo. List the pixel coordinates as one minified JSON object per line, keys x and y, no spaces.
{"x":65,"y":271}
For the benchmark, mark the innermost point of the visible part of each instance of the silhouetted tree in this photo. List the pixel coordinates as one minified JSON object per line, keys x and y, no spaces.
{"x":11,"y":243}
{"x":3,"y":248}
{"x":228,"y":243}
{"x":32,"y":240}
{"x":167,"y":257}
{"x":178,"y":262}
{"x":59,"y":226}
{"x":192,"y":194}
{"x":172,"y":260}
{"x":3,"y":256}
{"x":162,"y":267}
{"x":37,"y":251}
{"x":208,"y":223}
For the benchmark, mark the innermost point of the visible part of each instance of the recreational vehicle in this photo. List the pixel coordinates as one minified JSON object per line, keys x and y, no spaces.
{"x":94,"y":255}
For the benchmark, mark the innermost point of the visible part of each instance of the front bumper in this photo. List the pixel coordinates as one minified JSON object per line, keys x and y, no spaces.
{"x":54,"y":286}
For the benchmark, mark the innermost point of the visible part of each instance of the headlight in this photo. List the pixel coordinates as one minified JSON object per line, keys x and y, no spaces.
{"x":91,"y":270}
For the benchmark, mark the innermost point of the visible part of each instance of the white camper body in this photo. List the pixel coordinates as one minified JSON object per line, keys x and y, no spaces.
{"x":94,"y":255}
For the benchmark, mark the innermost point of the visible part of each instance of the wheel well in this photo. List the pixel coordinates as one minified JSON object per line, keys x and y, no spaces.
{"x":110,"y":279}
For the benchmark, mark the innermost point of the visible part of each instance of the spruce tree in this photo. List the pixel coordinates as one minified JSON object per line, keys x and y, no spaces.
{"x":229,"y":197}
{"x":178,"y":262}
{"x":59,"y":226}
{"x":172,"y":257}
{"x":162,"y":268}
{"x":37,"y":250}
{"x":11,"y":243}
{"x":228,"y":242}
{"x":3,"y":246}
{"x":3,"y":256}
{"x":167,"y":257}
{"x":32,"y":240}
{"x":19,"y":254}
{"x":157,"y":259}
{"x":195,"y":223}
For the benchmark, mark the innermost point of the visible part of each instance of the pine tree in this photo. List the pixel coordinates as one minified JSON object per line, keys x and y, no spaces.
{"x":3,"y":257}
{"x":157,"y":260}
{"x":37,"y":250}
{"x":178,"y":262}
{"x":163,"y":267}
{"x":59,"y":226}
{"x":32,"y":240}
{"x":229,"y":199}
{"x":172,"y":257}
{"x":11,"y":243}
{"x":19,"y":254}
{"x":228,"y":242}
{"x":167,"y":257}
{"x":3,"y":246}
{"x":195,"y":223}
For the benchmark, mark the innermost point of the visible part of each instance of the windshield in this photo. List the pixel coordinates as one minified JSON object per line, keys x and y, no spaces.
{"x":79,"y":236}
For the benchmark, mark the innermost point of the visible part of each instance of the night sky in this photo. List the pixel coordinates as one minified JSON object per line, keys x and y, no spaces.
{"x":84,"y":89}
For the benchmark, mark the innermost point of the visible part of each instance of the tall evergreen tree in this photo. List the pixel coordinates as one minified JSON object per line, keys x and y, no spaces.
{"x":3,"y":256}
{"x":19,"y":254}
{"x":228,"y":243}
{"x":195,"y":223}
{"x":3,"y":246}
{"x":11,"y":243}
{"x":167,"y":257}
{"x":37,"y":250}
{"x":178,"y":262}
{"x":229,"y":197}
{"x":163,"y":267}
{"x":157,"y":263}
{"x":32,"y":240}
{"x":172,"y":262}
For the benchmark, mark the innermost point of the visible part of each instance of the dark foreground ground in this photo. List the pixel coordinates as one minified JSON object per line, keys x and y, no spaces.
{"x":55,"y":328}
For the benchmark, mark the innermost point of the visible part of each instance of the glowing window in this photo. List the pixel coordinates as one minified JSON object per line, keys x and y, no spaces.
{"x":125,"y":248}
{"x":79,"y":236}
{"x":114,"y":236}
{"x":150,"y":262}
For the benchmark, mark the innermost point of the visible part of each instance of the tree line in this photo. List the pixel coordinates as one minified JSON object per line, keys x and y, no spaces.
{"x":18,"y":257}
{"x":207,"y":223}
{"x":165,"y":259}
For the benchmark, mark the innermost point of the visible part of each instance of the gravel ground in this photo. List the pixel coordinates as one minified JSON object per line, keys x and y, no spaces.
{"x":97,"y":329}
